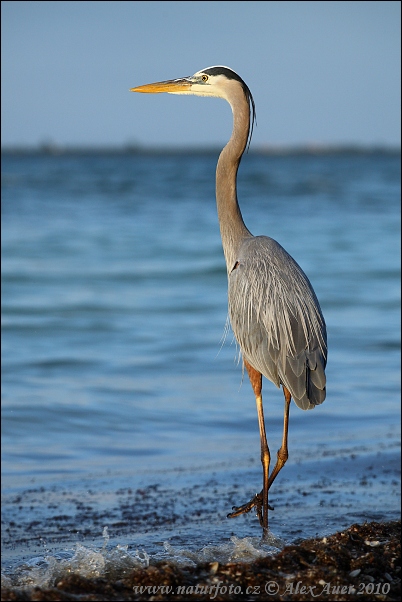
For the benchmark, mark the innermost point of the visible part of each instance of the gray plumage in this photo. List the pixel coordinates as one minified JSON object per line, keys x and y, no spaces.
{"x":277,"y":320}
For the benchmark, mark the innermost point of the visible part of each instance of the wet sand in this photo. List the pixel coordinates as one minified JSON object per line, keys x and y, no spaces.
{"x":106,"y":537}
{"x":359,"y":563}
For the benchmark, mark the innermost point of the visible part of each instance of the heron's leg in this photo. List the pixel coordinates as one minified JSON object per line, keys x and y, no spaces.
{"x":259,"y":500}
{"x":265,"y":460}
{"x":282,"y":454}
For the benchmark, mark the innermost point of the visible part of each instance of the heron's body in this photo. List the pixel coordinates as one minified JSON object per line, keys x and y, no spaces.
{"x":273,"y":310}
{"x":272,"y":332}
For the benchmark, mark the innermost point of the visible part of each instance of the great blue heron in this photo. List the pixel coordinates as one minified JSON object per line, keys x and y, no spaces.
{"x":273,"y":310}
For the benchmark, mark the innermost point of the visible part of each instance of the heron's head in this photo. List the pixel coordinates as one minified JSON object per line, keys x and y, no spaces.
{"x":212,"y":81}
{"x":218,"y":82}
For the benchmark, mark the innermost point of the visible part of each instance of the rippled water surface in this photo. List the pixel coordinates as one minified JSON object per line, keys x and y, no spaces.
{"x":121,"y":389}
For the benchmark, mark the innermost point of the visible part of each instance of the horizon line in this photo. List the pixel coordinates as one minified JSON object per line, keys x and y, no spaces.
{"x":50,"y":148}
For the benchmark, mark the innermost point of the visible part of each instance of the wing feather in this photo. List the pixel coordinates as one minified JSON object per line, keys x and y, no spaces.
{"x":277,"y":320}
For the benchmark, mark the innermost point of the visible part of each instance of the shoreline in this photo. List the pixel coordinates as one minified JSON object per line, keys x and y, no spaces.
{"x":358,"y":563}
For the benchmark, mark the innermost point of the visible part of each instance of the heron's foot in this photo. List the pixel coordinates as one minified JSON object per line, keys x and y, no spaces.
{"x":256,"y":502}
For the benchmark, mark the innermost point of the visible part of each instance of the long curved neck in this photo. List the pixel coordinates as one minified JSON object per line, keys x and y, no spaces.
{"x":232,"y":227}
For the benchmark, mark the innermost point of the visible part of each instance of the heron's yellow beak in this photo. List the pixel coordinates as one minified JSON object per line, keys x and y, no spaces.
{"x":172,"y":86}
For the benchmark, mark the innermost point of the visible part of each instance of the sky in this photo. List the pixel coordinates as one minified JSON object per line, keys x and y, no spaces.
{"x":321,"y":73}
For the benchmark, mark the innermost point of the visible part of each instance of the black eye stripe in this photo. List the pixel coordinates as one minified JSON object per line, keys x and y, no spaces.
{"x":233,"y":75}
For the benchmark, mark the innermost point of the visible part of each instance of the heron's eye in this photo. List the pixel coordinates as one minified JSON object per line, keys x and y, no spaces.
{"x":204,"y":78}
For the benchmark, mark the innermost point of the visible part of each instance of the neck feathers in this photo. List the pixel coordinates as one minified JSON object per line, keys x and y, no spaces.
{"x":232,"y":227}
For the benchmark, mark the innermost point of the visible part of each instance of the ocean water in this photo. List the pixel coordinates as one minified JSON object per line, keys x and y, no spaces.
{"x":123,"y":400}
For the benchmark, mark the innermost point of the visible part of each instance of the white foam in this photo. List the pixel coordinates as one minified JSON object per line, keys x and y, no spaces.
{"x":245,"y":549}
{"x":89,"y":562}
{"x":84,"y":561}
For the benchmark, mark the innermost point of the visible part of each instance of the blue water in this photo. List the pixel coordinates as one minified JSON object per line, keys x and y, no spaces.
{"x":117,"y":368}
